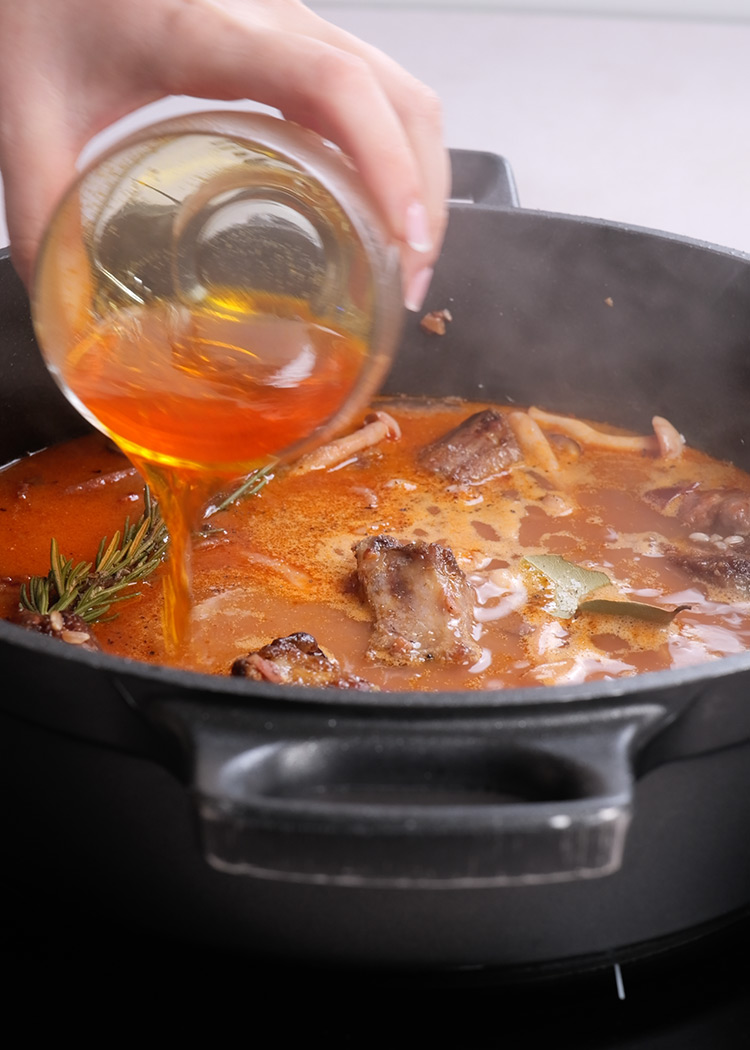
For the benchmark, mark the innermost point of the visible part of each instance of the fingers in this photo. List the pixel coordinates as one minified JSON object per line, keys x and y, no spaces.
{"x":321,"y":77}
{"x":275,"y":52}
{"x":38,"y":163}
{"x":420,"y":113}
{"x":62,"y":78}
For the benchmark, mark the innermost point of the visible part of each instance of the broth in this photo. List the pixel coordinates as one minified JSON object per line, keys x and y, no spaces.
{"x":282,"y":561}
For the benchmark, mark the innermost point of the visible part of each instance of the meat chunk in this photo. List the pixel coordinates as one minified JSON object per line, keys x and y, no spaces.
{"x":722,"y":511}
{"x":421,"y":601}
{"x":67,"y":626}
{"x":296,"y":659}
{"x":481,"y":447}
{"x":729,"y":568}
{"x":435,"y":321}
{"x":726,"y":511}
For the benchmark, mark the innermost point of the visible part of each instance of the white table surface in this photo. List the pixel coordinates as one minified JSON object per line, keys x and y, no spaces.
{"x":640,"y":120}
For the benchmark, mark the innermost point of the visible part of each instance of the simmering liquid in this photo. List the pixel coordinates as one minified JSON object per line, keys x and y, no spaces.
{"x":282,"y":561}
{"x":197,"y":398}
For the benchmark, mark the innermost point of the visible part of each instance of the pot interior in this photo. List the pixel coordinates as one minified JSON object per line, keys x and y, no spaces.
{"x":594,"y":319}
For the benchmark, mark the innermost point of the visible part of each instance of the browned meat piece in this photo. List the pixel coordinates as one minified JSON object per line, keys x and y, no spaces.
{"x":67,"y":626}
{"x":729,"y":568}
{"x":722,"y":511}
{"x":421,"y":600}
{"x":482,"y":447}
{"x":435,"y":321}
{"x":667,"y":500}
{"x":714,"y":510}
{"x":296,"y":659}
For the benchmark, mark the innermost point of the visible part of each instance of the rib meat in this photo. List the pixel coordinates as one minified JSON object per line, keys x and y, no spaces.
{"x":481,"y":447}
{"x":296,"y":659}
{"x":730,"y":568}
{"x":421,"y":601}
{"x":722,"y":511}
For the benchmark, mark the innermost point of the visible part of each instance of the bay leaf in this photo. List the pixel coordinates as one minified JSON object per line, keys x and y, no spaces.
{"x":570,"y":582}
{"x":639,"y":610}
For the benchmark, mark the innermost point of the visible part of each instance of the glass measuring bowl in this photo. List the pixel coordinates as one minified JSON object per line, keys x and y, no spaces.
{"x":218,"y":230}
{"x":216,"y":293}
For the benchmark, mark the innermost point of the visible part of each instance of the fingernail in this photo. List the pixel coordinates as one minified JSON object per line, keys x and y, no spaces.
{"x":417,"y":288}
{"x":418,"y":228}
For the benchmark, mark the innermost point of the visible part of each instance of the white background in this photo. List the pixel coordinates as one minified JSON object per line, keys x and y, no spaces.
{"x":640,"y":119}
{"x":651,"y":8}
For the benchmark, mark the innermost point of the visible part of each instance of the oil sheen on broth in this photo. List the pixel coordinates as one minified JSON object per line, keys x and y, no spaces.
{"x":282,"y":561}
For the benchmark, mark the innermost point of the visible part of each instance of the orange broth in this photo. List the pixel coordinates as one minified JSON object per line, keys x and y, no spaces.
{"x":281,"y":561}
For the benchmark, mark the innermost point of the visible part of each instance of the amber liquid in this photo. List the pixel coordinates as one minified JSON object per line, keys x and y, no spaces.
{"x":198,"y":398}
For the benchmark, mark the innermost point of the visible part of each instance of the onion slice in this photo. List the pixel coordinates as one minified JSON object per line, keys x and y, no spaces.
{"x":533,"y":442}
{"x":377,"y":427}
{"x":671,"y":442}
{"x":666,"y":441}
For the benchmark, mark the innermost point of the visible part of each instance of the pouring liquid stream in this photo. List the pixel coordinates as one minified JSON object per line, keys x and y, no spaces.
{"x":199,"y":397}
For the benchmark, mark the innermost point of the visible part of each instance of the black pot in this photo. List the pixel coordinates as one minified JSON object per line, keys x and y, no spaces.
{"x":525,"y":828}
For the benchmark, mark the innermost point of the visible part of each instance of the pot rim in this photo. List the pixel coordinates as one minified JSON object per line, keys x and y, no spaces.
{"x":225,"y":689}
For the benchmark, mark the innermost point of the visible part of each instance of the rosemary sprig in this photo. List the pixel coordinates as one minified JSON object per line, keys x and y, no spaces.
{"x":90,"y":590}
{"x":253,"y":483}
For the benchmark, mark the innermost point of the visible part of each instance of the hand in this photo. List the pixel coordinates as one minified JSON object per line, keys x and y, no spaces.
{"x":70,"y":67}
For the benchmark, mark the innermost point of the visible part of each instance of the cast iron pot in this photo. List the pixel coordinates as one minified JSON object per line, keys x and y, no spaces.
{"x":518,"y":829}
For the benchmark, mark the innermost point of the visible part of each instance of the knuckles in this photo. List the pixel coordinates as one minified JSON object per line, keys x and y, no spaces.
{"x":427,"y":104}
{"x":339,"y":71}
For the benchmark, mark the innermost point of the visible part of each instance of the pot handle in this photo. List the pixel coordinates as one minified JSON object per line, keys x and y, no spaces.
{"x":482,"y":178}
{"x":439,"y":804}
